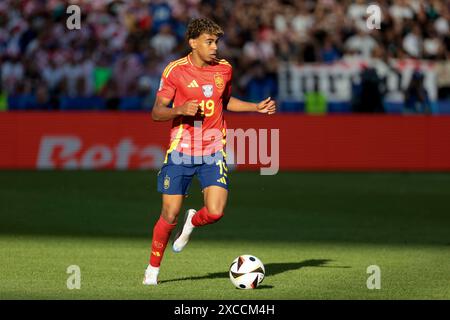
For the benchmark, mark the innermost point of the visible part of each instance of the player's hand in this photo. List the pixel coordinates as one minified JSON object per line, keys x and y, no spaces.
{"x":190,"y":108}
{"x":267,"y":106}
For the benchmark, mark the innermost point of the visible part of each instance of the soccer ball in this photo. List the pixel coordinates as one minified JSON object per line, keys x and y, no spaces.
{"x":247,"y":272}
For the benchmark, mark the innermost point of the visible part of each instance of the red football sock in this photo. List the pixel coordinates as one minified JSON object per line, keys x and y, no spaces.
{"x":161,"y":235}
{"x":203,"y":217}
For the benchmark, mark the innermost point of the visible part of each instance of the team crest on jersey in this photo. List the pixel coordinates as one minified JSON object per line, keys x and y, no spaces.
{"x":218,"y":80}
{"x":166,"y":182}
{"x":207,"y":90}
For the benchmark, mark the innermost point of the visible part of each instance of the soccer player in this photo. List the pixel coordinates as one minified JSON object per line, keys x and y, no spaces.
{"x":199,"y":88}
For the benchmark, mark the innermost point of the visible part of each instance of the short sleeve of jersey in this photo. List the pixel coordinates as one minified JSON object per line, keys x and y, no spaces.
{"x":167,"y":87}
{"x":227,"y":91}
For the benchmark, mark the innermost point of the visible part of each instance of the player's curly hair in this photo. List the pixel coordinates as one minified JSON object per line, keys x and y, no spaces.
{"x":203,"y":25}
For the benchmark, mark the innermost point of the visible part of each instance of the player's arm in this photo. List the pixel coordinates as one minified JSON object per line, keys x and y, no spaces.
{"x":162,"y":112}
{"x":266,"y":106}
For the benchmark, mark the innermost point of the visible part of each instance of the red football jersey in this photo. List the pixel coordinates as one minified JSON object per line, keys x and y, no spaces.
{"x":204,"y":133}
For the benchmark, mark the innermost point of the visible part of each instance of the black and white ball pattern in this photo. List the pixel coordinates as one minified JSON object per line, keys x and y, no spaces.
{"x":247,"y":272}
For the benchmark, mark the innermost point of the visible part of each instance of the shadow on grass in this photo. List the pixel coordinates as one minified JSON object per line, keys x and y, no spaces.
{"x":263,"y":287}
{"x":271,"y":270}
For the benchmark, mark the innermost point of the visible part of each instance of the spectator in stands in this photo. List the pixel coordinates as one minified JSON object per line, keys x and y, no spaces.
{"x":416,"y":95}
{"x":52,"y":74}
{"x":261,"y":48}
{"x":401,"y":10}
{"x":258,"y":86}
{"x":371,"y":92}
{"x":43,"y":100}
{"x":443,"y":78}
{"x":362,"y":42}
{"x":329,"y":52}
{"x":127,"y":70}
{"x":110,"y":95}
{"x":13,"y":73}
{"x":413,"y":42}
{"x":164,"y":41}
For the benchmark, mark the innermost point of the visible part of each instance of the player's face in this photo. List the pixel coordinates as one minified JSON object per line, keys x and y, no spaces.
{"x":206,"y":47}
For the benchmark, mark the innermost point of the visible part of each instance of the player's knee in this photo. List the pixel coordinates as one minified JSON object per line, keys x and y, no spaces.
{"x":215,"y":212}
{"x":169,"y":214}
{"x":170,"y":218}
{"x":213,"y":218}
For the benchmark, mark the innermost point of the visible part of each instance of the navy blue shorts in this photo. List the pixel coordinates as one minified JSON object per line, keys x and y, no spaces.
{"x":176,"y":174}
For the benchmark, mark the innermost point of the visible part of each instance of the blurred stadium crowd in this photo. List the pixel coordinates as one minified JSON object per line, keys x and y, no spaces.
{"x":115,"y":60}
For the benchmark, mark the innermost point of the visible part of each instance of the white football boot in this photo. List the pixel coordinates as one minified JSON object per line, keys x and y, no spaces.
{"x":151,"y":276}
{"x":182,"y":237}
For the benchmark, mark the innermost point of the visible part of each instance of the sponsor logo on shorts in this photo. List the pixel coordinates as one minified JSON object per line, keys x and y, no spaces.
{"x":166,"y":182}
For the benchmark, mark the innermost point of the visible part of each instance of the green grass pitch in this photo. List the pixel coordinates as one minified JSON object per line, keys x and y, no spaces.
{"x":315,"y":232}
